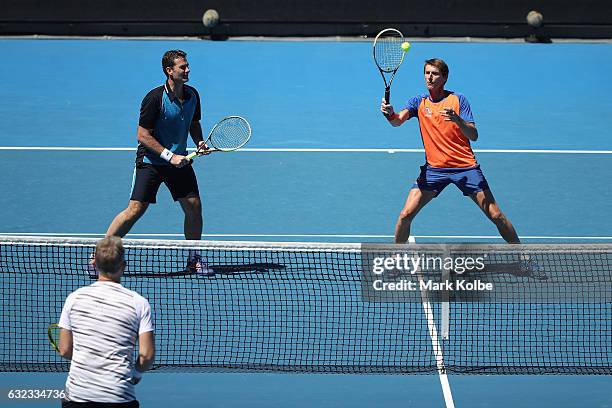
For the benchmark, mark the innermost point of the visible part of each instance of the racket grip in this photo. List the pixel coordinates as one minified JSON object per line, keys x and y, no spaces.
{"x":387,"y":94}
{"x":190,"y":156}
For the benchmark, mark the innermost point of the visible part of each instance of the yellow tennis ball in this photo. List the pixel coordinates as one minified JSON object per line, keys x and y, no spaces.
{"x":210,"y":18}
{"x":405,"y":46}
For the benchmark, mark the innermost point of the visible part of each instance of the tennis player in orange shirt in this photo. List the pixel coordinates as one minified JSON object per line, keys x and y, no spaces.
{"x":447,"y":128}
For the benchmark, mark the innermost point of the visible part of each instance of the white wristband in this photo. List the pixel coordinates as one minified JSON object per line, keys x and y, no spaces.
{"x":166,"y":155}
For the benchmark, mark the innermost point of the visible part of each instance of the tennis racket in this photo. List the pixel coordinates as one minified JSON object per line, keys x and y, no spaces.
{"x":53,"y":333}
{"x":389,"y":55}
{"x":229,"y":134}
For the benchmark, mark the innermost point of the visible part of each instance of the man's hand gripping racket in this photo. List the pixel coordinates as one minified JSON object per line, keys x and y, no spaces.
{"x":229,"y":134}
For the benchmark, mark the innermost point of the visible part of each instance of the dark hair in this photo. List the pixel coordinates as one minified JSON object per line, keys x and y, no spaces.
{"x":438,"y":63}
{"x":169,"y":57}
{"x":109,"y":255}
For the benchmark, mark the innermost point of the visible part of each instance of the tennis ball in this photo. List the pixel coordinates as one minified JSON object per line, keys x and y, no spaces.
{"x":210,"y":18}
{"x":535,"y":19}
{"x":405,"y":46}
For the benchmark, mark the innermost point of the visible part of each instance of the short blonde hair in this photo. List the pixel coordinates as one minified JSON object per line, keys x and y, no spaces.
{"x":109,"y":255}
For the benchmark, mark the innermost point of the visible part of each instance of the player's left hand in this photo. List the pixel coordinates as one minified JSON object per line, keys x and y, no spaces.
{"x":450,"y":115}
{"x":203,"y":149}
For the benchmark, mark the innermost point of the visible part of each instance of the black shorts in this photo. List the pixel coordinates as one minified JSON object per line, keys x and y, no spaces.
{"x":182,"y":182}
{"x":71,"y":404}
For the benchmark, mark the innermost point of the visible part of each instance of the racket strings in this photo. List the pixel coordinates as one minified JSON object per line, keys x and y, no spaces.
{"x":230,"y":134}
{"x":388,"y":52}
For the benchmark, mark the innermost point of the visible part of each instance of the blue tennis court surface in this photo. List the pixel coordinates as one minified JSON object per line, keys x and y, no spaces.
{"x":313,"y":95}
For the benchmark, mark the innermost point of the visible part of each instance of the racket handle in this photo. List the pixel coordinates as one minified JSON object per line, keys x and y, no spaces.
{"x":190,"y":156}
{"x":387,"y":94}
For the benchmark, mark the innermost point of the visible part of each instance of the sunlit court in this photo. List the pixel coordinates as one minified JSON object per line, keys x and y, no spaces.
{"x":296,"y":295}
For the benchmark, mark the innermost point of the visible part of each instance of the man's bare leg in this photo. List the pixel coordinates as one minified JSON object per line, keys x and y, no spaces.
{"x":125,"y":220}
{"x":192,"y":207}
{"x":486,"y":202}
{"x":417,"y":199}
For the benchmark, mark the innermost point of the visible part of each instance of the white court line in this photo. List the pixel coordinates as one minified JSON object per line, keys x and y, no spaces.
{"x":307,"y":150}
{"x":69,"y":149}
{"x":497,"y":237}
{"x":435,"y":342}
{"x":355,"y":236}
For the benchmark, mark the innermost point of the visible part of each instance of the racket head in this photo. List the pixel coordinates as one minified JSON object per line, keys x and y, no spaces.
{"x":53,"y":334}
{"x":387,"y":48}
{"x":230,"y":133}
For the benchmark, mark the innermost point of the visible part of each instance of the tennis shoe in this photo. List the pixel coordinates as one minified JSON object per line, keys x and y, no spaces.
{"x":530,"y":268}
{"x":196,"y":265}
{"x":91,"y":269}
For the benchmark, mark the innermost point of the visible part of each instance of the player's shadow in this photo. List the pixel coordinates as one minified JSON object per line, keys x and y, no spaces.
{"x":213,"y":270}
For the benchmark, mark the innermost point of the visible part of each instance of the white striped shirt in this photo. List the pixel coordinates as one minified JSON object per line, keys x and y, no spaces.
{"x":105,"y":320}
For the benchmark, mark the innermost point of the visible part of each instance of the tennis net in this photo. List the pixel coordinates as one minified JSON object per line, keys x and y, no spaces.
{"x":295,"y":307}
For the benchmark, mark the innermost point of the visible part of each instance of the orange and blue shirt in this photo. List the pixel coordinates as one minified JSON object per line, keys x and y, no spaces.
{"x":444,"y":143}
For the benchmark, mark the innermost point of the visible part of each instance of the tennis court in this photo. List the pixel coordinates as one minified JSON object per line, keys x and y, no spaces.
{"x":322,"y":165}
